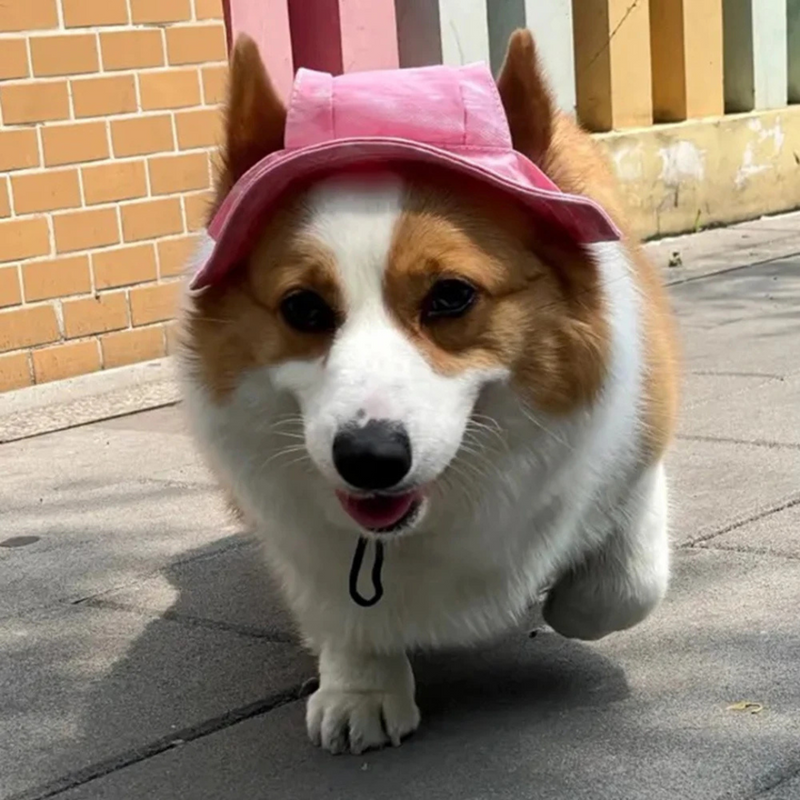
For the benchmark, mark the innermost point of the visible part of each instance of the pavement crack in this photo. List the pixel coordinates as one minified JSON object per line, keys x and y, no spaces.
{"x":58,"y":427}
{"x":769,"y":783}
{"x":136,"y":755}
{"x":740,"y":523}
{"x":734,"y":374}
{"x":240,"y":540}
{"x":768,"y":443}
{"x":728,"y":270}
{"x":248,"y":631}
{"x":752,"y":551}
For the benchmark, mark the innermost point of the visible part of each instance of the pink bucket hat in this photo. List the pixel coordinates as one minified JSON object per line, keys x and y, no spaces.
{"x":446,"y":116}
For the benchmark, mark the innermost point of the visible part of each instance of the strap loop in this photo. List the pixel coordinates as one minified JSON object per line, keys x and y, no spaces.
{"x":355,"y":569}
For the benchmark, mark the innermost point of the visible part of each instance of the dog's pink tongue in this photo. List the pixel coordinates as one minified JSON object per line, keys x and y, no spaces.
{"x":377,"y":512}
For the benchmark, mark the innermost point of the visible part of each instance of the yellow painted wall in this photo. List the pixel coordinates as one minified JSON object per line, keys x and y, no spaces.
{"x":680,"y":177}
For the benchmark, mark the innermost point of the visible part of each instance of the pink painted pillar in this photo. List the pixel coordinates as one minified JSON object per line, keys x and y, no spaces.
{"x":344,"y":35}
{"x":267,"y":22}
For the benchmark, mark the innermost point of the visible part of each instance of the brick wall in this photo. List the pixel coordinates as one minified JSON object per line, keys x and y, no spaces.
{"x":108,"y":121}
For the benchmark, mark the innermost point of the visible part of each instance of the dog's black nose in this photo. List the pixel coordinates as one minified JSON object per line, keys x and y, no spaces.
{"x":375,"y":456}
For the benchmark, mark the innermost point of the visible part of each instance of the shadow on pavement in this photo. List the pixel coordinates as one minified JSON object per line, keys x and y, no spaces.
{"x":190,"y":674}
{"x":544,"y":712}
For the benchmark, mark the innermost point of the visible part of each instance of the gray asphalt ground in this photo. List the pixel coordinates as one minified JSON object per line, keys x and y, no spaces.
{"x":144,"y":655}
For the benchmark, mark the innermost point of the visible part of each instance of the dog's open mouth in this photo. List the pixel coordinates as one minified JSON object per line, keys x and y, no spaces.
{"x":382,"y":513}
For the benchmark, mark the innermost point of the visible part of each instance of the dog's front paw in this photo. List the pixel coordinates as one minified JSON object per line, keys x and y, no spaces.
{"x":352,"y":722}
{"x":364,"y":701}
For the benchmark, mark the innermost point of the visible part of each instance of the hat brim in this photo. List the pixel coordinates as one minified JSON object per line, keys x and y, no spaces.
{"x":237,"y":224}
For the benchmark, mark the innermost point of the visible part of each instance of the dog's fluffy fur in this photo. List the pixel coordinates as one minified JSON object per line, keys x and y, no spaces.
{"x":538,"y":422}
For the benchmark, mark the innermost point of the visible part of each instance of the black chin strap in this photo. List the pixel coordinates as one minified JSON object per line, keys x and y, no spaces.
{"x":355,"y":569}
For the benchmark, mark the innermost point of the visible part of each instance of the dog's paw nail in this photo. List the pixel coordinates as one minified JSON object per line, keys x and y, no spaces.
{"x":354,"y":722}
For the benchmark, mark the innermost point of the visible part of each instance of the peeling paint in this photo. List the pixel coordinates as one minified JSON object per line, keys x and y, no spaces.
{"x":680,"y":161}
{"x":749,"y":167}
{"x":775,"y":133}
{"x":729,"y":168}
{"x":628,"y":163}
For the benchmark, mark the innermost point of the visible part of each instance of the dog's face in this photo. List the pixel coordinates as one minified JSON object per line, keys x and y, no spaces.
{"x":383,"y":304}
{"x":389,"y":314}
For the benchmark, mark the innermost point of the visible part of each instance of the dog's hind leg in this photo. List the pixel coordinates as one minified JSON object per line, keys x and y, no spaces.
{"x":618,"y":585}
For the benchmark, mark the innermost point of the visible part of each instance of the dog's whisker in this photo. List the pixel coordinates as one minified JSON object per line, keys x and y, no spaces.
{"x":530,"y":416}
{"x":291,"y":435}
{"x":301,"y":459}
{"x":493,"y":434}
{"x":482,"y":454}
{"x":469,"y":472}
{"x":284,"y":451}
{"x":463,"y":486}
{"x":287,"y":420}
{"x":491,"y":426}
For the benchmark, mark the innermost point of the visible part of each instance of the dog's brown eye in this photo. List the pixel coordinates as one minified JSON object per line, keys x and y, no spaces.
{"x":306,"y":311}
{"x":448,"y":298}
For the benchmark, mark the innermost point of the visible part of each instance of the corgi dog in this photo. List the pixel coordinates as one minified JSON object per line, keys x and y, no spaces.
{"x":432,"y":369}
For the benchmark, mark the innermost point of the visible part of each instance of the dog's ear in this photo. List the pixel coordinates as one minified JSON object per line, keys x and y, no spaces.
{"x":526,"y":97}
{"x":255,"y":116}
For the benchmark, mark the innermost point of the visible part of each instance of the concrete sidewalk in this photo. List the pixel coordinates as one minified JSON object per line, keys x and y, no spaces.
{"x":144,"y":655}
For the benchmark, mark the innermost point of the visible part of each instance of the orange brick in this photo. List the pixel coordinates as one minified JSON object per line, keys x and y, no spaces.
{"x":65,"y":361}
{"x":27,"y":15}
{"x":34,"y":102}
{"x":129,"y":347}
{"x":174,"y":254}
{"x":18,"y":149}
{"x":132,"y":49}
{"x":100,"y":97}
{"x":208,"y":9}
{"x":134,"y":137}
{"x":154,"y":303}
{"x":201,"y":128}
{"x":64,"y":55}
{"x":160,"y":11}
{"x":58,"y":277}
{"x":13,"y":59}
{"x":87,"y":13}
{"x":107,"y":183}
{"x":151,"y":219}
{"x":24,"y":238}
{"x":15,"y":372}
{"x":124,"y":266}
{"x":196,"y":44}
{"x":69,"y":144}
{"x":5,"y":203}
{"x":98,"y":314}
{"x":83,"y":230}
{"x":27,"y":326}
{"x":10,"y":294}
{"x":197,"y":208}
{"x":46,"y":191}
{"x":170,"y":89}
{"x":171,"y":174}
{"x":214,"y":83}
